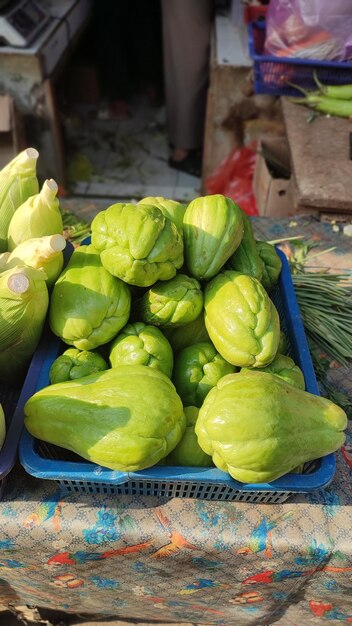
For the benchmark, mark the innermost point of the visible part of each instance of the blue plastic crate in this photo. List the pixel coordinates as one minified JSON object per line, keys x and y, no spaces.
{"x":272,"y":73}
{"x":76,"y":475}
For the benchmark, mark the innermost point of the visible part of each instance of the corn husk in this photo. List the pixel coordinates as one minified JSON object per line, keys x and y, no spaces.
{"x":24,"y":302}
{"x":18,"y":181}
{"x":37,"y":217}
{"x":4,"y":257}
{"x":41,"y":253}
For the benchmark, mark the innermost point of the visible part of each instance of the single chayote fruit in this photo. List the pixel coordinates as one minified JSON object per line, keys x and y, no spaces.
{"x":126,"y":418}
{"x":212,"y":231}
{"x":283,"y":343}
{"x":242,"y":321}
{"x":197,"y":369}
{"x":188,"y":452}
{"x":170,"y":208}
{"x":74,"y":363}
{"x":137,"y":243}
{"x":257,"y":427}
{"x":183,"y":336}
{"x":88,"y":305}
{"x":286,"y":368}
{"x":141,"y":344}
{"x":246,"y":258}
{"x":272,"y":264}
{"x":173,"y":302}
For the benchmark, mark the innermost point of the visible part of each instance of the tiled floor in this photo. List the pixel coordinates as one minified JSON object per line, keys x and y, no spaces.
{"x":128,"y":158}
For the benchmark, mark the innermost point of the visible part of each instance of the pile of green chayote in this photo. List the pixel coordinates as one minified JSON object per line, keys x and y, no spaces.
{"x":176,"y":354}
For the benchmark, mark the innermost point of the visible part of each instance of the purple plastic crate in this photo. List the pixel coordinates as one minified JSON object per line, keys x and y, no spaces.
{"x":272,"y":74}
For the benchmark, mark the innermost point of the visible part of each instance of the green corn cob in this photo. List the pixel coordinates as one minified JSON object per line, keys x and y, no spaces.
{"x":38,"y":216}
{"x":18,"y":181}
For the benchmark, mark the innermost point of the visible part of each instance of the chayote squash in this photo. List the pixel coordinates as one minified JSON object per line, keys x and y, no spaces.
{"x":284,"y":367}
{"x":188,"y":452}
{"x":170,"y":208}
{"x":212,"y":231}
{"x":137,"y":243}
{"x":272,"y":264}
{"x":197,"y":369}
{"x":183,"y":336}
{"x":74,"y":363}
{"x":141,"y":344}
{"x":242,"y":322}
{"x":88,"y":305}
{"x":246,"y":258}
{"x":257,"y":427}
{"x":283,"y":343}
{"x":173,"y":302}
{"x":126,"y":418}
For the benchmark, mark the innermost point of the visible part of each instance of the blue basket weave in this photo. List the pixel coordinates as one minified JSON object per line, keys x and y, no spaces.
{"x":74,"y":475}
{"x":271,"y":74}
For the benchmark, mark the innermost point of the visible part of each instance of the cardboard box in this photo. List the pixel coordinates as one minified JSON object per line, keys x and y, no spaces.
{"x":11,"y":130}
{"x":273,"y":194}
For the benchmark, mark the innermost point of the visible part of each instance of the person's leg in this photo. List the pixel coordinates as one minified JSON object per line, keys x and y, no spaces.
{"x":113,"y":54}
{"x":147,"y":44}
{"x":186,"y":40}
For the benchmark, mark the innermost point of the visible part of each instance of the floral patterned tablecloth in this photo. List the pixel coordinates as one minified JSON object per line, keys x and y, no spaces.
{"x":179,"y":560}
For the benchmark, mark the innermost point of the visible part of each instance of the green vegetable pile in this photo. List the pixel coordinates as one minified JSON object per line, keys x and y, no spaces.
{"x":173,"y":347}
{"x":335,"y":100}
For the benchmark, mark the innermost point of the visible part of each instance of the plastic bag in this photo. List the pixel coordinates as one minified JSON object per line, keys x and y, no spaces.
{"x":233,"y":178}
{"x":309,"y":29}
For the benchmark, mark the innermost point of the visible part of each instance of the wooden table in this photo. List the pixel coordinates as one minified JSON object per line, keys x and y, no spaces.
{"x":320,"y":160}
{"x":29,"y":74}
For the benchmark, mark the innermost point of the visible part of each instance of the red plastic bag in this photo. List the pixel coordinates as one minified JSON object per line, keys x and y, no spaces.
{"x":233,"y":178}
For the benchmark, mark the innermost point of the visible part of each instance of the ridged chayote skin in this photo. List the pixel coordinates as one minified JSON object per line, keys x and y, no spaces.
{"x":242,"y":321}
{"x":284,"y":367}
{"x":272,"y":264}
{"x":141,"y":344}
{"x":257,"y":427}
{"x":126,"y":418}
{"x":246,"y":258}
{"x":170,"y":208}
{"x":212,"y":231}
{"x":173,"y":302}
{"x":137,"y":243}
{"x":283,"y":343}
{"x":188,"y":452}
{"x":197,"y":369}
{"x":187,"y":335}
{"x":74,"y":363}
{"x":88,"y":306}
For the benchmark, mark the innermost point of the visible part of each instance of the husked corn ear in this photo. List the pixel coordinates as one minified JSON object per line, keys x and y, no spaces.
{"x":24,"y":302}
{"x":41,"y":253}
{"x":4,"y":257}
{"x":38,"y":216}
{"x":18,"y":181}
